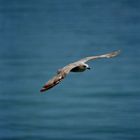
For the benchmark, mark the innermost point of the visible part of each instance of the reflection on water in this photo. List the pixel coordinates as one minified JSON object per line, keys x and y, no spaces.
{"x":37,"y":38}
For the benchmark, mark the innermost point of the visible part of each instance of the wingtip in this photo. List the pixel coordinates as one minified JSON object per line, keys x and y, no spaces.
{"x":117,"y":52}
{"x":113,"y":54}
{"x":42,"y":90}
{"x":46,"y":87}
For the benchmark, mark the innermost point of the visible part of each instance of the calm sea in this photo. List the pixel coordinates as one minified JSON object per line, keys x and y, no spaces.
{"x":39,"y":37}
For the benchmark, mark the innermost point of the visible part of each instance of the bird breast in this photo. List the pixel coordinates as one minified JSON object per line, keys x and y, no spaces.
{"x":80,"y":68}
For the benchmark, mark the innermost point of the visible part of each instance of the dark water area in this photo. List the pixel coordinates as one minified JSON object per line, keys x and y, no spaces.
{"x":39,"y":37}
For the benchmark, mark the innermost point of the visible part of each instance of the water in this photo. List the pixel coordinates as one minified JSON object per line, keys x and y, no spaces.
{"x":39,"y":37}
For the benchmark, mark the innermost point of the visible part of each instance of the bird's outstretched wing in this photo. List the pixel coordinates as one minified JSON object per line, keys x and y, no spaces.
{"x":108,"y":55}
{"x":61,"y":74}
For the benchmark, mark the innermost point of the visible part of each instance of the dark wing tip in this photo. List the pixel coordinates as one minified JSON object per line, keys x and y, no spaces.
{"x":51,"y":84}
{"x":46,"y":87}
{"x":43,"y":89}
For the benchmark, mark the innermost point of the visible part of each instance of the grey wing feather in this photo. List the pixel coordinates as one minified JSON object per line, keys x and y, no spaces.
{"x":108,"y":55}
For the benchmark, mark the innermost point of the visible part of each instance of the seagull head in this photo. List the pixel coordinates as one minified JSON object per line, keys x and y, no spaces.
{"x":87,"y":66}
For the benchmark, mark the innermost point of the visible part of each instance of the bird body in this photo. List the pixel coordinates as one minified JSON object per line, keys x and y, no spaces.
{"x":78,"y":66}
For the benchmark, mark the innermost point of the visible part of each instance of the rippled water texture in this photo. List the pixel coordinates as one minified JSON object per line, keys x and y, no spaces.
{"x":39,"y":37}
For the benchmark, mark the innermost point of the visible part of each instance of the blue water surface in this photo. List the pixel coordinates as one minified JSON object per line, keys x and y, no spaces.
{"x":39,"y":37}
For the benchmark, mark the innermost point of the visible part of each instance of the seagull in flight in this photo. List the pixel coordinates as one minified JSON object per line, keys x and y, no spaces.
{"x":78,"y":66}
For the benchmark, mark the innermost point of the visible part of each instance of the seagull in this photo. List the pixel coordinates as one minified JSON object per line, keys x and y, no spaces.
{"x":78,"y":66}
